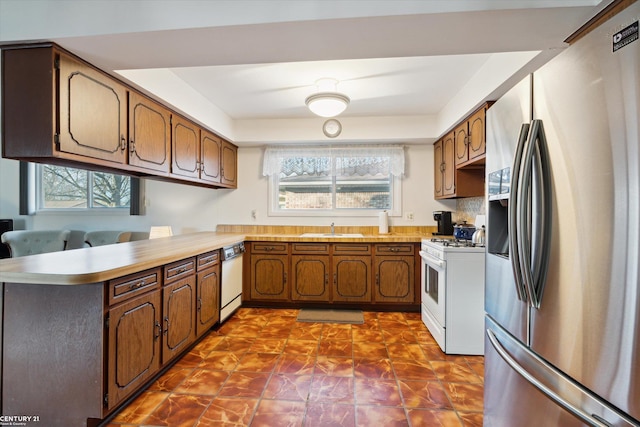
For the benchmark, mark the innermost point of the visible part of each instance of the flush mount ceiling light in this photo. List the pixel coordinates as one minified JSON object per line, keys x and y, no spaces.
{"x":327,"y":102}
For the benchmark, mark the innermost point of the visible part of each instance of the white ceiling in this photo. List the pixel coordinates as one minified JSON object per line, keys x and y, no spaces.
{"x":254,"y":60}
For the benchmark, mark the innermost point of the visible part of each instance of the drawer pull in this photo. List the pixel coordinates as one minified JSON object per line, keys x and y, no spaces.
{"x":137,"y":285}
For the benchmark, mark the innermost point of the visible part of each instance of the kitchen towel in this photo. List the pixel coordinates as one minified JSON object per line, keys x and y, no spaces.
{"x":383,"y":223}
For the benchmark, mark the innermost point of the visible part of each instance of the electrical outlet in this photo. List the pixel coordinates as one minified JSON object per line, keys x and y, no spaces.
{"x":408,"y":216}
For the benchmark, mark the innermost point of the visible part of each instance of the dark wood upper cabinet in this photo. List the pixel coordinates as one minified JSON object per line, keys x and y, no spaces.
{"x":93,"y":112}
{"x":149,"y":134}
{"x":229,"y":176}
{"x":211,"y":149}
{"x":58,"y":109}
{"x":185,"y":159}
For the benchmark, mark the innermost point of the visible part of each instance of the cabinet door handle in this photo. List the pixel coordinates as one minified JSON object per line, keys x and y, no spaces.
{"x":132,"y":146}
{"x":285,"y":277}
{"x":123,"y":143}
{"x":377,"y":280}
{"x":159,"y":331}
{"x":199,"y":305}
{"x":335,"y":279}
{"x":326,"y":279}
{"x":166,"y":322}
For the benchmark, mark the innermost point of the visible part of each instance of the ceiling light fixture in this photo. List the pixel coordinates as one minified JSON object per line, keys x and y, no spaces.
{"x":327,"y":102}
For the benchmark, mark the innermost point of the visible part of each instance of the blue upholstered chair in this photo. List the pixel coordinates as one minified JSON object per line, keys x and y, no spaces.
{"x":31,"y":242}
{"x":105,"y":237}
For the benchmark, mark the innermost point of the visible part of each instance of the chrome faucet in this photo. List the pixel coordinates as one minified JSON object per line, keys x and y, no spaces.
{"x":333,"y":228}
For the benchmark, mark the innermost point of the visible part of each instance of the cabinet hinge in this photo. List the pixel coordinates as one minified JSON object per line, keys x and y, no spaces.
{"x":56,"y":141}
{"x":56,"y":63}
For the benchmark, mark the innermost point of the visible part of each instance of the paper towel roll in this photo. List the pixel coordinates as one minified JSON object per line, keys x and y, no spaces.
{"x":383,"y":223}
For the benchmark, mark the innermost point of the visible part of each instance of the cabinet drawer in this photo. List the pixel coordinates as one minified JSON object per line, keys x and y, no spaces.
{"x":207,"y":260}
{"x":398,"y":249}
{"x":135,"y":284}
{"x":269,"y":248}
{"x":179,"y":269}
{"x":351,"y":248}
{"x":310,"y":248}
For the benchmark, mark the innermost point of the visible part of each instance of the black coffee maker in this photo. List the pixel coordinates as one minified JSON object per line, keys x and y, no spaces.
{"x":445,"y":226}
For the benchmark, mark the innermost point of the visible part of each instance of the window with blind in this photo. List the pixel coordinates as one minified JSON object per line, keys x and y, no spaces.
{"x":361,"y":180}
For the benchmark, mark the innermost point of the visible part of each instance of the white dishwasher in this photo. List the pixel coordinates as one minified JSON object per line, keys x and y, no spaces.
{"x":231,"y":280}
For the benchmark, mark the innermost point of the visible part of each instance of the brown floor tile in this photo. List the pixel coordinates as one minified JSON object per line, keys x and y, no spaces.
{"x":370,"y":349}
{"x":138,"y":410}
{"x":334,"y":366}
{"x":237,"y":345}
{"x":368,"y":335}
{"x":373,"y":368}
{"x":424,"y":394}
{"x":367,"y":416}
{"x":465,"y":397}
{"x":336,"y":332}
{"x":288,"y":387}
{"x":330,"y":415}
{"x":335,"y":348}
{"x":228,"y":411}
{"x":257,"y":362}
{"x":276,"y":331}
{"x":275,"y":413}
{"x":454,"y":372}
{"x":202,"y":381}
{"x":179,"y":410}
{"x":399,"y":336}
{"x":406,"y":351}
{"x":413,"y":370}
{"x":170,"y":379}
{"x":433,"y":418}
{"x":295,"y":364}
{"x":267,"y":345}
{"x":263,"y":368}
{"x":306,"y":331}
{"x":301,"y":347}
{"x":244,"y":384}
{"x":377,"y":392}
{"x":221,"y":361}
{"x":471,"y":419}
{"x":332,"y":389}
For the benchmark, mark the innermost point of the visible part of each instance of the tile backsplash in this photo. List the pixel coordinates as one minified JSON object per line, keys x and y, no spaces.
{"x":468,"y":208}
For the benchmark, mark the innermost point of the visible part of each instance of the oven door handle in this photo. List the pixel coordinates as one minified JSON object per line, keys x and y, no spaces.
{"x":433,"y":261}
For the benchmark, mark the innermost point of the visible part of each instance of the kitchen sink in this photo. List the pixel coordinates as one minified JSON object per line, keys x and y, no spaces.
{"x":331,"y":235}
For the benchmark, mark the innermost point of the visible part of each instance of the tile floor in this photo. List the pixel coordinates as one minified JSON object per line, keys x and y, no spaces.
{"x":262,"y":368}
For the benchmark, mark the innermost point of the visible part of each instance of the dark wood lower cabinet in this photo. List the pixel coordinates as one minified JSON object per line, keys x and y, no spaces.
{"x":208,"y":308}
{"x":394,"y":279}
{"x":382,"y":275}
{"x":134,"y":345}
{"x":179,"y":313}
{"x":310,"y":278}
{"x":268,"y":277}
{"x":352,"y":278}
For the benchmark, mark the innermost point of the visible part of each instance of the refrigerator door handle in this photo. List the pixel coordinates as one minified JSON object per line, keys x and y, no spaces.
{"x":559,"y":400}
{"x":541,"y":243}
{"x":514,"y":200}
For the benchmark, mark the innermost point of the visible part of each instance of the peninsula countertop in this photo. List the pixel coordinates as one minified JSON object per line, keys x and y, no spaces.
{"x":102,"y":263}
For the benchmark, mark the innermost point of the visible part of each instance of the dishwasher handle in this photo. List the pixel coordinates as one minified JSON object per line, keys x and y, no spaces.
{"x":233,"y":251}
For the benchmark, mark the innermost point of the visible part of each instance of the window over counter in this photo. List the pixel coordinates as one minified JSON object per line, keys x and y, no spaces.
{"x":334,"y":181}
{"x":53,"y":188}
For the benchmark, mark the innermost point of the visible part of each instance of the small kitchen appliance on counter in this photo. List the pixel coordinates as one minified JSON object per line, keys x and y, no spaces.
{"x":445,"y":226}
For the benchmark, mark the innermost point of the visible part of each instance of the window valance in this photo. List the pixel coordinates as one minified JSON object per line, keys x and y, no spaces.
{"x":356,"y":160}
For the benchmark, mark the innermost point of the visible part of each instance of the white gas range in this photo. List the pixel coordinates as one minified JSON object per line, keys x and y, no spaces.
{"x":453,"y":294}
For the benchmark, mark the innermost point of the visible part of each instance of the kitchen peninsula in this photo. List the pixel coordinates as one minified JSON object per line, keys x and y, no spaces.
{"x":91,"y":327}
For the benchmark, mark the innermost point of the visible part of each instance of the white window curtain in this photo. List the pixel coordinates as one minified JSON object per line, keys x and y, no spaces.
{"x":359,"y":160}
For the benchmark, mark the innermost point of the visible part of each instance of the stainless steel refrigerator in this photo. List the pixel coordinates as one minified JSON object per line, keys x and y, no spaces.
{"x":563,"y":238}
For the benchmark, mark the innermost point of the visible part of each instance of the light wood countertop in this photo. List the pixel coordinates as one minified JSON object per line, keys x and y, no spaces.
{"x":102,"y":263}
